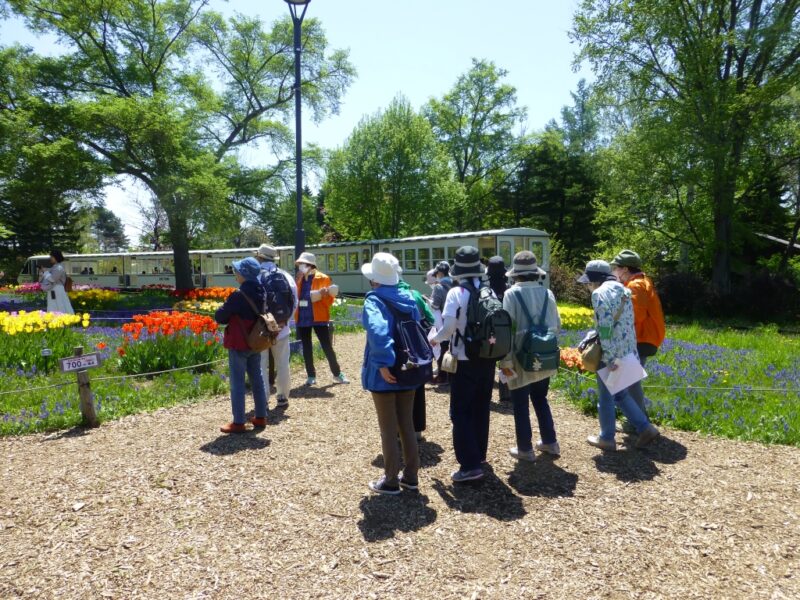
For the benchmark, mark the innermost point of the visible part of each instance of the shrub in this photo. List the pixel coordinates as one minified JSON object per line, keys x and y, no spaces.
{"x":564,"y":286}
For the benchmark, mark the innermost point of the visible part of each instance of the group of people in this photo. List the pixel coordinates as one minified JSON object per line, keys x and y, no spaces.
{"x":311,"y":295}
{"x":628,"y":319}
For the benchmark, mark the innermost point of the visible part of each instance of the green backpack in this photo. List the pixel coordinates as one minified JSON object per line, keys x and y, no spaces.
{"x":539,"y":348}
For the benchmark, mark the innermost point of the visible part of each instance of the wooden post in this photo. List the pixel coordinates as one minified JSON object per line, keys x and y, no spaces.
{"x":87,"y":398}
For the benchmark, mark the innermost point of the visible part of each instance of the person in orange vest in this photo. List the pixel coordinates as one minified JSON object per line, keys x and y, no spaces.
{"x":648,"y":317}
{"x":315,"y":296}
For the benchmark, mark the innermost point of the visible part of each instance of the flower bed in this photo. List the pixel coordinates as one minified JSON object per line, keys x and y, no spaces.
{"x":575,"y":317}
{"x":204,"y":293}
{"x":94,"y":298}
{"x":23,"y":336}
{"x":162,"y":340}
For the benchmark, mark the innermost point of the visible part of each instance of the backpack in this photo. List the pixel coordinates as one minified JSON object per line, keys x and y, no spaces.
{"x":413,"y":362}
{"x":264,"y":331}
{"x":539,"y":348}
{"x":488,"y":331}
{"x":280,"y":300}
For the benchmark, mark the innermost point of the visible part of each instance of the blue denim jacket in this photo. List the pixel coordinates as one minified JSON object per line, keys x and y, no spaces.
{"x":379,"y":325}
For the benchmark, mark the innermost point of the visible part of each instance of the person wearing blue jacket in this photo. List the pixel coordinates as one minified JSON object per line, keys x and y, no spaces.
{"x":394,"y":404}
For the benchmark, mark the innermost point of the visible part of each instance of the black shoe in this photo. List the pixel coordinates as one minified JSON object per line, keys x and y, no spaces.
{"x":407,"y":484}
{"x":379,"y":487}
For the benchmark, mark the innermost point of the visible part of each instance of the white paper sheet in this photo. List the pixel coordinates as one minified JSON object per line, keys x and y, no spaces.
{"x":437,"y":349}
{"x":628,"y":372}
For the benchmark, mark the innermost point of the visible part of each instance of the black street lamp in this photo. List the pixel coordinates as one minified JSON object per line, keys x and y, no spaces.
{"x":295,"y":7}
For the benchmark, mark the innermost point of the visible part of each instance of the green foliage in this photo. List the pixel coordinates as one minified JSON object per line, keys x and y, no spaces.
{"x":161,"y":352}
{"x":390,"y":179}
{"x":475,"y":122}
{"x":24,"y":351}
{"x":107,"y":230}
{"x":700,"y":84}
{"x":284,"y":221}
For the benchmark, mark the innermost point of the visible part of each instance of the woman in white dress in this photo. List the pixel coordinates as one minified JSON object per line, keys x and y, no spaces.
{"x":53,"y":281}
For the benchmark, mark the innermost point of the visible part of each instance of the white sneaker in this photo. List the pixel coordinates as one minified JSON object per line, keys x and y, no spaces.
{"x":283,"y":402}
{"x":598,"y":442}
{"x":341,"y":378}
{"x":526,"y":455}
{"x":553,"y":448}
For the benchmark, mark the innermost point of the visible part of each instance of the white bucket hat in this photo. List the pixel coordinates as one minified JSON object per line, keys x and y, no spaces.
{"x":308,"y":258}
{"x":266,"y":251}
{"x":383,"y":269}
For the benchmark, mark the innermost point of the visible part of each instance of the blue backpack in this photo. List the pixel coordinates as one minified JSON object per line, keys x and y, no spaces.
{"x":280,"y":299}
{"x":539,"y":348}
{"x":413,"y":363}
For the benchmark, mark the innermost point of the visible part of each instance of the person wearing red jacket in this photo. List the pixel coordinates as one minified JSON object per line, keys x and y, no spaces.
{"x":239,"y":317}
{"x":648,"y":316}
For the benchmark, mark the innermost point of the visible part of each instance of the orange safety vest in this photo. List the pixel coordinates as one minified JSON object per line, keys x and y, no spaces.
{"x":322,"y":308}
{"x":648,"y":316}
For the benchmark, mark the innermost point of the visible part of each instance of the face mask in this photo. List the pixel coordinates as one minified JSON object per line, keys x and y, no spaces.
{"x":304,"y":269}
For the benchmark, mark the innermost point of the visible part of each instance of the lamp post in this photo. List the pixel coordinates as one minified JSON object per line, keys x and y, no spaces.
{"x":297,"y":8}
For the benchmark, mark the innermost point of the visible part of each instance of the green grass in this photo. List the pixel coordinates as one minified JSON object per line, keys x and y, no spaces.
{"x":732,"y":383}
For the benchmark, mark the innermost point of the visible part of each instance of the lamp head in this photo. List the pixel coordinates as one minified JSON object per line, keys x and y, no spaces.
{"x":297,"y":2}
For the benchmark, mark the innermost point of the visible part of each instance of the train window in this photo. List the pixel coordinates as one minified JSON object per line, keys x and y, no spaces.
{"x":289,"y":260}
{"x":410,"y":260}
{"x":519,"y":245}
{"x":505,"y":252}
{"x":365,"y":256}
{"x":341,"y":262}
{"x":331,"y":262}
{"x":424,"y":259}
{"x":538,"y":250}
{"x":438,"y":254}
{"x":353,"y":261}
{"x":451,"y":251}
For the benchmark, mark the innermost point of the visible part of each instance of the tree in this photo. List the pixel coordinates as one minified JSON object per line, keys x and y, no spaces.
{"x":108,"y":230}
{"x":167,"y":92}
{"x":710,"y":71}
{"x":284,"y":221}
{"x":390,"y":179}
{"x":476,"y":122}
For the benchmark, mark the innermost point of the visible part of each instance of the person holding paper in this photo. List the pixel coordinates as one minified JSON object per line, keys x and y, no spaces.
{"x":528,"y":298}
{"x":613,"y":315}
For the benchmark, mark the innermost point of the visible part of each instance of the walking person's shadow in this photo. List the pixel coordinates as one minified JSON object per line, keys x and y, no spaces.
{"x":542,"y":478}
{"x":383,"y":515}
{"x":490,"y":496}
{"x":639,"y":464}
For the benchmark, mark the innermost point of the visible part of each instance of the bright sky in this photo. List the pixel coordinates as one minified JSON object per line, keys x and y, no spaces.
{"x":417,"y":48}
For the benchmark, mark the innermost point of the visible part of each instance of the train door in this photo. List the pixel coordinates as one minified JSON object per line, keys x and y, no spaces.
{"x":508,"y":246}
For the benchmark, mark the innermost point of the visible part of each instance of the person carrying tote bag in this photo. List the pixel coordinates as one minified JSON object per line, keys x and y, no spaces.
{"x":525,"y":298}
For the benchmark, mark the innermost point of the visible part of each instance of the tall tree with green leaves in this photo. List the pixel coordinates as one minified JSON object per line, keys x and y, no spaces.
{"x":391,"y":178}
{"x":167,"y":92}
{"x":477,"y":123}
{"x":711,"y":71}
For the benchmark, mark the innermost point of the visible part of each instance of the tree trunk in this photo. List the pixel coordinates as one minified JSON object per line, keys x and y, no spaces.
{"x":178,"y":233}
{"x":722,"y":194}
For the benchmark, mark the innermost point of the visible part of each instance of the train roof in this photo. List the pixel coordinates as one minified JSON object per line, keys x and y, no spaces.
{"x":419,"y":238}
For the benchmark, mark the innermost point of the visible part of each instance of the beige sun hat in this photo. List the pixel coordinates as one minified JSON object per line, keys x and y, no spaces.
{"x":308,"y":258}
{"x":267,"y":252}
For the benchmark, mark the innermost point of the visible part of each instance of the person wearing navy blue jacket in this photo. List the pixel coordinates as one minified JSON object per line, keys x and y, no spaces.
{"x":394,"y":403}
{"x":239,"y":317}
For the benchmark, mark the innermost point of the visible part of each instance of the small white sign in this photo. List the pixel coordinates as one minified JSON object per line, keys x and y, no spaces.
{"x":47,"y":352}
{"x":79,"y":363}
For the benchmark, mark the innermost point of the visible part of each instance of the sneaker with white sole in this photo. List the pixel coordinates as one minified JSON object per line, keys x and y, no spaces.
{"x":647,"y":436}
{"x":408,"y":484}
{"x":283,"y":402}
{"x":598,"y":442}
{"x":526,"y":455}
{"x":379,"y":486}
{"x":471,"y":475}
{"x":340,"y":378}
{"x":311,"y":381}
{"x":553,"y":449}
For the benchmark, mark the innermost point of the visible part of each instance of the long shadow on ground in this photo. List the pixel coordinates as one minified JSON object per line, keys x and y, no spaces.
{"x":489,"y":496}
{"x":383,"y":515}
{"x":225,"y":445}
{"x":542,"y":478}
{"x":635,"y":465}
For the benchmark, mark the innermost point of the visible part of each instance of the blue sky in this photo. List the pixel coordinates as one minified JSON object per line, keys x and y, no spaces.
{"x":417,"y":48}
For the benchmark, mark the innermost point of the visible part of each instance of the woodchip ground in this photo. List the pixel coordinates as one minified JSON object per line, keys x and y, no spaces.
{"x":163,"y":506}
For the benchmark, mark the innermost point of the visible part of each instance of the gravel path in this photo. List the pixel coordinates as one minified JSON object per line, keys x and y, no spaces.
{"x":162,"y":506}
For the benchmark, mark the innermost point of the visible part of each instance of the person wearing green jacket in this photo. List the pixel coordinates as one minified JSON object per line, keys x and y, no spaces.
{"x":419,"y":394}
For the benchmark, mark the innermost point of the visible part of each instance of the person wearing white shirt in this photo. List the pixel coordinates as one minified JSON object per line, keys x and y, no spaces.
{"x":279,"y":352}
{"x":471,"y":385}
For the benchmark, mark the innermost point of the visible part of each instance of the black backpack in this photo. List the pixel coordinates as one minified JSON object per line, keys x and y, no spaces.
{"x":280,"y":299}
{"x":413,"y":362}
{"x":488,"y":332}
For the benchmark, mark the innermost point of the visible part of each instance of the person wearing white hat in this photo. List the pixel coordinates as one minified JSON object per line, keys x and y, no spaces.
{"x":394,"y":403}
{"x":277,"y":357}
{"x":315,"y":296}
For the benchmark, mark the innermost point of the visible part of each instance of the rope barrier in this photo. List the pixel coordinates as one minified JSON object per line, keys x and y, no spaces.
{"x":35,"y":389}
{"x":113,"y":377}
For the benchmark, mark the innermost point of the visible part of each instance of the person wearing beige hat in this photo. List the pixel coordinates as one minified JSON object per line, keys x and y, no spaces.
{"x":277,"y":356}
{"x":315,"y":296}
{"x":530,"y":304}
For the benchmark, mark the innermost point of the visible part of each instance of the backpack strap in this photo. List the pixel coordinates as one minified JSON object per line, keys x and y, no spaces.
{"x":543,"y":316}
{"x":618,"y":314}
{"x":255,"y":310}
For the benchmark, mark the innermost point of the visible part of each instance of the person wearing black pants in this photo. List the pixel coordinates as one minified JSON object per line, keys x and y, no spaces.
{"x":324,"y":336}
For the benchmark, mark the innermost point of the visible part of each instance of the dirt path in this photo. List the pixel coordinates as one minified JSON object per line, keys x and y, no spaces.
{"x":162,"y":506}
